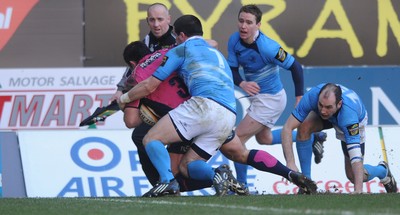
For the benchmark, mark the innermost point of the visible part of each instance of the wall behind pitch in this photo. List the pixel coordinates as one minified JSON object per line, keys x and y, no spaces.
{"x":57,"y":33}
{"x":43,"y":33}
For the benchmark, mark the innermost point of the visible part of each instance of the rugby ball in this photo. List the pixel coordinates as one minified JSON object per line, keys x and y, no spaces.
{"x":148,"y":115}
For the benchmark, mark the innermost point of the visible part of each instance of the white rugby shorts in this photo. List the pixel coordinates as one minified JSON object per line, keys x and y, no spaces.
{"x":205,"y":121}
{"x":267,"y":108}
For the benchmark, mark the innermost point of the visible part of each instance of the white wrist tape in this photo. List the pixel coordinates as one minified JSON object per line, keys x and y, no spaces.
{"x":124,"y":98}
{"x":355,"y":153}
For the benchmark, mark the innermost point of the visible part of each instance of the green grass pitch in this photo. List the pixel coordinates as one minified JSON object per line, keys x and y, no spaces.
{"x":341,"y":204}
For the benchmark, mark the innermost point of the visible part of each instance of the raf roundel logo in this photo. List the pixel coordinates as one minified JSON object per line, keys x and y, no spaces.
{"x":95,"y":154}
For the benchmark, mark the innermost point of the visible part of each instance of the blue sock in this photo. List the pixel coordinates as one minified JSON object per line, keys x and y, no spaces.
{"x":159,"y":156}
{"x":375,"y":171}
{"x":276,"y":136}
{"x":304,"y":151}
{"x":200,"y":170}
{"x":241,"y":172}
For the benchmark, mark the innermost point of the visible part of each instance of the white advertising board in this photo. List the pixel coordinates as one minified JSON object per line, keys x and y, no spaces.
{"x":56,"y":98}
{"x":89,"y":163}
{"x":60,"y":98}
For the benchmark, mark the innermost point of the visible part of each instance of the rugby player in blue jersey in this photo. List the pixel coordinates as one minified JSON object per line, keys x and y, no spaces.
{"x":207,"y":118}
{"x":261,"y":57}
{"x":335,"y":106}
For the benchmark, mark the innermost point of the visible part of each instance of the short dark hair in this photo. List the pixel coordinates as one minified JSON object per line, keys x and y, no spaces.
{"x":135,"y":51}
{"x":189,"y":25}
{"x":252,"y":9}
{"x":330,"y":87}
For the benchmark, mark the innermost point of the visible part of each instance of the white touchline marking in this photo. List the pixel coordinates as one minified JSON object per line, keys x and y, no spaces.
{"x":163,"y":202}
{"x":253,"y":208}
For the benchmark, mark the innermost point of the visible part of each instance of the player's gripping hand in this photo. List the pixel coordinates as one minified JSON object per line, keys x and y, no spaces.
{"x":250,"y":87}
{"x":121,"y":105}
{"x":123,"y":100}
{"x":116,"y":95}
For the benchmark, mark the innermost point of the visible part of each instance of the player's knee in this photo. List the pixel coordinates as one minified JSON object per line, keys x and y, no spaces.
{"x":264,"y":139}
{"x":244,"y":137}
{"x":304,"y":132}
{"x":146,"y":139}
{"x":235,"y":154}
{"x":132,"y":122}
{"x":149,"y":137}
{"x":183,"y":169}
{"x":175,"y":161}
{"x":241,"y":158}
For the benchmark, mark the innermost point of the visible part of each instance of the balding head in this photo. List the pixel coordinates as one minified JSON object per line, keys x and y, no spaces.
{"x":331,"y":89}
{"x":158,"y":19}
{"x":329,"y":100}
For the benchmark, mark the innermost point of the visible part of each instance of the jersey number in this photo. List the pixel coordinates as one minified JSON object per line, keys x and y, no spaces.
{"x":219,"y":57}
{"x":183,"y":91}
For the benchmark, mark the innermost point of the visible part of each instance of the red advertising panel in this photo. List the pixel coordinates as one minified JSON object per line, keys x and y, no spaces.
{"x":12,"y":13}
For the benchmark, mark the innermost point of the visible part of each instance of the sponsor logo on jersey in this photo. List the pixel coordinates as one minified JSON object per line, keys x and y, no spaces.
{"x":353,"y":129}
{"x":151,"y":59}
{"x":281,"y":55}
{"x":164,"y":61}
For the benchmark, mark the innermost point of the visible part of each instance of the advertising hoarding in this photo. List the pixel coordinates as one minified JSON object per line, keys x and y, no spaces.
{"x":105,"y":163}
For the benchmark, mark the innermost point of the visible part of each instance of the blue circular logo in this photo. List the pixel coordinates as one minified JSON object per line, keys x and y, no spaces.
{"x":95,"y":154}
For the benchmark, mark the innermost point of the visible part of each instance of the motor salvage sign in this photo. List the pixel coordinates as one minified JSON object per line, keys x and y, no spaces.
{"x":55,"y":98}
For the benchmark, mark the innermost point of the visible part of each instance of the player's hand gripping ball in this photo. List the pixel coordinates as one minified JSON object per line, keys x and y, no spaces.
{"x":148,"y":115}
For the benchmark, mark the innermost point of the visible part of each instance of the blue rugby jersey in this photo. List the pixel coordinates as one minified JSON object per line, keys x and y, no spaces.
{"x":260,"y":61}
{"x":348,"y":117}
{"x":203,"y":69}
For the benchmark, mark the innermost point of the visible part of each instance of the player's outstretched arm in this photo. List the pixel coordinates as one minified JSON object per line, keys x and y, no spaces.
{"x":287,"y":144}
{"x":141,"y":90}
